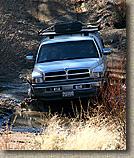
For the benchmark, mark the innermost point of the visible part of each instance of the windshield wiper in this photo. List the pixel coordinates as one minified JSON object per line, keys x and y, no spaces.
{"x":74,"y":58}
{"x":67,"y":58}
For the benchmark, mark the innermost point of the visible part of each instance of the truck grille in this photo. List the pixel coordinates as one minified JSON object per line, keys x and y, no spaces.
{"x":66,"y":75}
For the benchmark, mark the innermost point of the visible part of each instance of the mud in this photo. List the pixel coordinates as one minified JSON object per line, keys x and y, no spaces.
{"x":23,"y":116}
{"x":15,"y":90}
{"x":12,"y":93}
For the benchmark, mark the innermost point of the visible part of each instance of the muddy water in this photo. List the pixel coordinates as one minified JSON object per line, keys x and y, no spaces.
{"x":27,"y":121}
{"x":21,"y":119}
{"x":12,"y":93}
{"x":13,"y":90}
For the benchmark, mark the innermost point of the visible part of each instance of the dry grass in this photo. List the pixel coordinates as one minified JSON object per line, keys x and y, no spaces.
{"x":95,"y":134}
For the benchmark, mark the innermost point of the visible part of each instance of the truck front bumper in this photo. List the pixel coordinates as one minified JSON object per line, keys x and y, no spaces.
{"x":69,"y":91}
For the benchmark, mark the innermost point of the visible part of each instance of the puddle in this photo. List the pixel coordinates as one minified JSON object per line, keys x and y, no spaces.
{"x":31,"y":120}
{"x":11,"y":95}
{"x":28,"y":121}
{"x":13,"y":91}
{"x":5,"y":115}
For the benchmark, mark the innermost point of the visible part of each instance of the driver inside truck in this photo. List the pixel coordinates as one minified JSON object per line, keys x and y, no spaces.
{"x":53,"y":54}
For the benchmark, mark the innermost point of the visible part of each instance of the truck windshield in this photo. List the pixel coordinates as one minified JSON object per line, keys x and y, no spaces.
{"x":67,"y":50}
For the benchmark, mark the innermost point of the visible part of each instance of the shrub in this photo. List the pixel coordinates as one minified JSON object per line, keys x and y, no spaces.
{"x":119,"y":14}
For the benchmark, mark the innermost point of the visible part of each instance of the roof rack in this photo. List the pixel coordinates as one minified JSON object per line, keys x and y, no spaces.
{"x":68,"y":28}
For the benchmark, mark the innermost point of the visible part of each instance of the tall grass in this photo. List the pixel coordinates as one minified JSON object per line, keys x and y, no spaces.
{"x":95,"y":134}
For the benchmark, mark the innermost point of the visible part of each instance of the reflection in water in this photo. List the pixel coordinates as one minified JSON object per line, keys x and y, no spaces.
{"x":27,"y":121}
{"x":35,"y":120}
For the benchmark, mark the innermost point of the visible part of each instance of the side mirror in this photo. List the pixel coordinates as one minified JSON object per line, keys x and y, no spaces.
{"x":106,"y":51}
{"x":29,"y":58}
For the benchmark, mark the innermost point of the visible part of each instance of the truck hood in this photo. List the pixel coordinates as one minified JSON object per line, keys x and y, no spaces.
{"x":66,"y":65}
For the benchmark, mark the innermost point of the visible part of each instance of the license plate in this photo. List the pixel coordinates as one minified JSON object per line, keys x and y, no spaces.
{"x":68,"y":94}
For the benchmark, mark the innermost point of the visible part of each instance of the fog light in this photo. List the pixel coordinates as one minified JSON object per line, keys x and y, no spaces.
{"x":78,"y":86}
{"x":57,"y":89}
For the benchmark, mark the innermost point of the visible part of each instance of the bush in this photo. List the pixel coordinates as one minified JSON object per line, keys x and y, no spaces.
{"x":119,"y":14}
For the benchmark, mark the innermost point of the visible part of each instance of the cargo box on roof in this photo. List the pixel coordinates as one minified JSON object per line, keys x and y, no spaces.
{"x":68,"y":27}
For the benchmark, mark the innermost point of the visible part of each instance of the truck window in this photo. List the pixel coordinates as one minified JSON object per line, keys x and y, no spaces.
{"x":67,"y":50}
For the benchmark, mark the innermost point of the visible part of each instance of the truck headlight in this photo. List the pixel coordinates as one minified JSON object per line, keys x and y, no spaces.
{"x":97,"y":74}
{"x":37,"y":80}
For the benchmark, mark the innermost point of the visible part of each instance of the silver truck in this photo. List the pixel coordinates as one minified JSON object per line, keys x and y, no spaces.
{"x":70,"y":63}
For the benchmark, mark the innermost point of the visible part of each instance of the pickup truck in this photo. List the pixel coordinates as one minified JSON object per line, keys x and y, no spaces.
{"x":70,"y":63}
